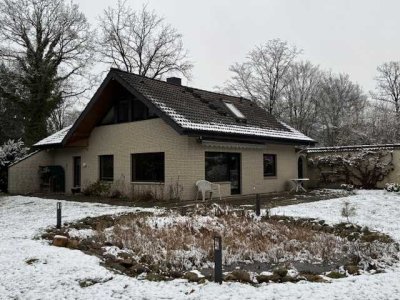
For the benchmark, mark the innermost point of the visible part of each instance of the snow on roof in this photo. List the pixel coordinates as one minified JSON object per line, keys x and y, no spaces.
{"x":55,"y":138}
{"x":353,"y":148}
{"x":290,"y":134}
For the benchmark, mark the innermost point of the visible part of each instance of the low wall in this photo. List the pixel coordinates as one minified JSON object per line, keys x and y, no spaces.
{"x":23,"y":176}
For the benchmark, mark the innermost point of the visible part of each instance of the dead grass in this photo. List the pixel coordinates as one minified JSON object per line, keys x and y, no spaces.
{"x":185,"y":242}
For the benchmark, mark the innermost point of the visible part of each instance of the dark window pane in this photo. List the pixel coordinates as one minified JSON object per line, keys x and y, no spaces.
{"x":148,"y":167}
{"x":123,"y":111}
{"x":106,"y":167}
{"x":217,"y":166}
{"x":269,"y":165}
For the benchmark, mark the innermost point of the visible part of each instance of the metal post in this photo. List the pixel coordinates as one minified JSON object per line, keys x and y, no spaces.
{"x":58,"y":215}
{"x":258,"y":205}
{"x":218,"y":259}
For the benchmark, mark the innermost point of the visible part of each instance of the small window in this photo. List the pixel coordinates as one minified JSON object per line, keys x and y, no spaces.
{"x":148,"y":167}
{"x":234,"y":110}
{"x":106,"y":167}
{"x":269,"y":165}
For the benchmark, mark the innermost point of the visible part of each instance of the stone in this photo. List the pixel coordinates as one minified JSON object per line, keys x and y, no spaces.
{"x":73,"y":244}
{"x":238,"y":275}
{"x":60,"y":241}
{"x":352,"y":269}
{"x":193,"y":276}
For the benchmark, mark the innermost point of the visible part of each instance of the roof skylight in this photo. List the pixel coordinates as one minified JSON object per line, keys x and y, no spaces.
{"x":234,"y":110}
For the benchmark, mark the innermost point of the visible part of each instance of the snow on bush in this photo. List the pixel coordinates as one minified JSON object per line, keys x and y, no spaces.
{"x":392,"y":187}
{"x":363,"y":168}
{"x":10,"y":152}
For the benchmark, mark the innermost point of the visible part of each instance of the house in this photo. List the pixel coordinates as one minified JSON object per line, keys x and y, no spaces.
{"x":147,"y":134}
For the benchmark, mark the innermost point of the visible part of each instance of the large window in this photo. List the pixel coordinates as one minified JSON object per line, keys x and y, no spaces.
{"x":269,"y":165}
{"x":123,"y":111}
{"x":223,"y":166}
{"x":106,"y":167}
{"x":148,"y":167}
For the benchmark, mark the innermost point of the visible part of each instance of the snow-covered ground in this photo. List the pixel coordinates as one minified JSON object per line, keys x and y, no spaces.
{"x":57,"y":272}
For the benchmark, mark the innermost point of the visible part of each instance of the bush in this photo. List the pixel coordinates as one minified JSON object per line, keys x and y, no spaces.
{"x":10,"y":152}
{"x":347,"y":187}
{"x":392,"y":187}
{"x":98,"y":189}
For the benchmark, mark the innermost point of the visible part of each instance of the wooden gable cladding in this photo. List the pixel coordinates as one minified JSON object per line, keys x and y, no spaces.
{"x":94,"y":111}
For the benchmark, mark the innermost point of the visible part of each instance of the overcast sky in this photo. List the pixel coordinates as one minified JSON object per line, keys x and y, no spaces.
{"x":350,"y":36}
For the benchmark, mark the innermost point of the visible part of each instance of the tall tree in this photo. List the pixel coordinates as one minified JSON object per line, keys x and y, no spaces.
{"x":341,"y":107}
{"x":388,"y":84}
{"x":262,"y":77}
{"x":49,"y":42}
{"x":300,"y":97}
{"x":10,"y":112}
{"x":141,"y":42}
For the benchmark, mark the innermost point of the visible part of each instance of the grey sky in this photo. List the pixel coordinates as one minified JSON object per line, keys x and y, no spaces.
{"x":351,"y":36}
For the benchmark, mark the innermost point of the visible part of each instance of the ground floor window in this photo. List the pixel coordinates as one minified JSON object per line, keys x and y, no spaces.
{"x":223,"y":166}
{"x":106,"y":167}
{"x":269,"y":165}
{"x":148,"y":167}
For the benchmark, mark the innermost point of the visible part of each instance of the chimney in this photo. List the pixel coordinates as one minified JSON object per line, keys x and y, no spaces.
{"x":174,"y":80}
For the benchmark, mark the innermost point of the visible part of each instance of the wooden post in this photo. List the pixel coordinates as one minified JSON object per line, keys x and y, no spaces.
{"x":258,"y":205}
{"x":218,"y":259}
{"x":58,"y":215}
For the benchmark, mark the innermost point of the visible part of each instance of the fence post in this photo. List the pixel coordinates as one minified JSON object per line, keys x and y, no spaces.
{"x":218,"y":259}
{"x":58,"y":215}
{"x":258,"y":205}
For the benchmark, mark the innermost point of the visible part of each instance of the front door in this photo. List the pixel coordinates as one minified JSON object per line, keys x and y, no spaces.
{"x":77,"y":171}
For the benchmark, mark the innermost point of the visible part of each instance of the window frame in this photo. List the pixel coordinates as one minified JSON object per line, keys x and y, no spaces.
{"x":101,"y":177}
{"x":275,"y":164}
{"x":134,"y":177}
{"x":234,"y":110}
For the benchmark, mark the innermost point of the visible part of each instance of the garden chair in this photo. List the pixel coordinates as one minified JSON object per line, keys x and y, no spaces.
{"x":204,"y":186}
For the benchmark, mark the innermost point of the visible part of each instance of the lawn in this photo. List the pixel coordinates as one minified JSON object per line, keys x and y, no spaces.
{"x":32,"y":269}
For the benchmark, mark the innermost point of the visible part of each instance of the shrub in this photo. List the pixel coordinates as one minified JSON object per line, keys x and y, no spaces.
{"x":98,"y":189}
{"x":392,"y":187}
{"x":348,"y":211}
{"x":10,"y":152}
{"x":347,"y":187}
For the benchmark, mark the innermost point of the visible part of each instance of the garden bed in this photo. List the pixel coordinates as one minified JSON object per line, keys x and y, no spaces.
{"x":171,"y":244}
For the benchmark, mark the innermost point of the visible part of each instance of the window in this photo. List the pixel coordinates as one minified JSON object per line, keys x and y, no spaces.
{"x":223,"y":166}
{"x":106,"y":167}
{"x":123,"y":111}
{"x":148,"y":167}
{"x":234,"y":110}
{"x":269,"y":165}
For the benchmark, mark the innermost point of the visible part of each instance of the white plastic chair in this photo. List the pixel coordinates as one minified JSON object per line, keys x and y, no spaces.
{"x":204,"y":186}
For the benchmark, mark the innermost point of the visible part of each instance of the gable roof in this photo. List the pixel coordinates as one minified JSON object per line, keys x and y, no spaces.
{"x":196,"y":112}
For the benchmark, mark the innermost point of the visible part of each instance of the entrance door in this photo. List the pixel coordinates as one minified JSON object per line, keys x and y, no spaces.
{"x":300,"y":171}
{"x":224,"y":166}
{"x":77,"y":171}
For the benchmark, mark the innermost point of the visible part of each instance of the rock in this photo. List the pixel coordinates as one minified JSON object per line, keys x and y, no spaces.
{"x":352,"y":269}
{"x":264,"y":278}
{"x":138,"y":269}
{"x":127,"y":263}
{"x":60,"y":241}
{"x":155,"y":277}
{"x":238,"y":275}
{"x":193,"y":276}
{"x":175,"y":274}
{"x":281,"y":272}
{"x":73,"y":244}
{"x":336,"y":275}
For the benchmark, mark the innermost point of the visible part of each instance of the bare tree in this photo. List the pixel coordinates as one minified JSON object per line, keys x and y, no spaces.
{"x":141,"y":42}
{"x":341,"y":107}
{"x":49,"y":42}
{"x":300,"y":97}
{"x":388,"y":84}
{"x":263,"y":76}
{"x":64,"y":115}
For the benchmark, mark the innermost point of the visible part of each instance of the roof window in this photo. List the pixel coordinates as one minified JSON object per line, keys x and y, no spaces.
{"x":234,"y":110}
